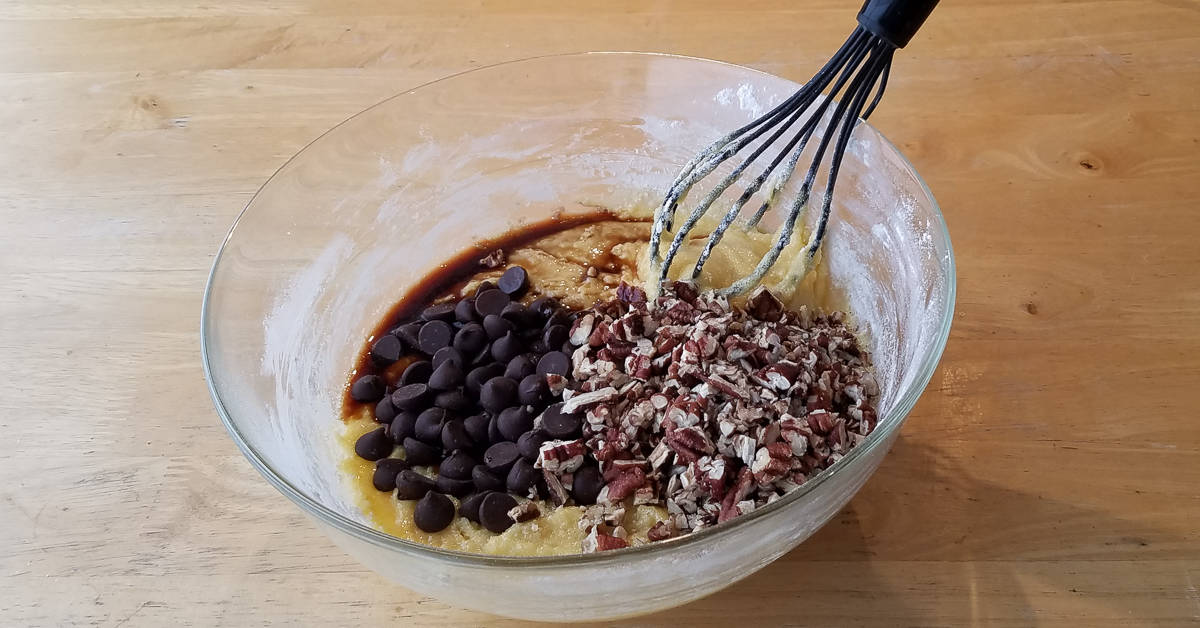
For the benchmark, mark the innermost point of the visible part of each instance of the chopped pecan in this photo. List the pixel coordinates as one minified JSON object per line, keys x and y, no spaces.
{"x":820,"y":421}
{"x":713,"y":474}
{"x":795,"y":433}
{"x":624,"y":485}
{"x":662,"y":530}
{"x":644,"y":495}
{"x":741,"y":488}
{"x":524,"y":511}
{"x":772,"y":462}
{"x":495,"y":259}
{"x":659,"y":455}
{"x":763,"y":305}
{"x":600,"y":335}
{"x":744,"y":448}
{"x":745,"y":403}
{"x":556,"y":383}
{"x":554,"y":485}
{"x":581,"y":329}
{"x":630,"y":294}
{"x":598,"y":541}
{"x":639,"y":366}
{"x":837,"y":436}
{"x":614,"y":516}
{"x":689,"y":443}
{"x":685,"y":291}
{"x":582,"y":400}
{"x":561,"y":456}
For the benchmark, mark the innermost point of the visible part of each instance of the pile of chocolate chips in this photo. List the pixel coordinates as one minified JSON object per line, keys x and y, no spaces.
{"x":467,"y":405}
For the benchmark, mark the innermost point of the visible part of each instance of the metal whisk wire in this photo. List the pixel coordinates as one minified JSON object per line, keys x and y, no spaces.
{"x":861,"y":66}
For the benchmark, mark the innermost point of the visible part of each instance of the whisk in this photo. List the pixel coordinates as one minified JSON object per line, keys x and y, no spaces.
{"x":860,"y":67}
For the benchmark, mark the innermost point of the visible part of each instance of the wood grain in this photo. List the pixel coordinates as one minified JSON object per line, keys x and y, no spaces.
{"x":1048,"y":476}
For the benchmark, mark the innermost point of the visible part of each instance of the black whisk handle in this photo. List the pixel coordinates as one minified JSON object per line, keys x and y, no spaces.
{"x":895,"y":20}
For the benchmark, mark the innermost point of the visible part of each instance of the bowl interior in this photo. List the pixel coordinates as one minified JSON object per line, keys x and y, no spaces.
{"x":341,"y":230}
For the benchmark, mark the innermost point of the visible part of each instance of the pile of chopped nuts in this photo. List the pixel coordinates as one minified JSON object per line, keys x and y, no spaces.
{"x":706,"y":409}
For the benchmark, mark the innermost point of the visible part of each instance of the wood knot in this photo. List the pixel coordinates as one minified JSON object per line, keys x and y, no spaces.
{"x":1031,"y":308}
{"x":1088,"y":162}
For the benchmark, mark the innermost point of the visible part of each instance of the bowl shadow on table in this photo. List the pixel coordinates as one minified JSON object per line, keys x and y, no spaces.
{"x":927,"y":543}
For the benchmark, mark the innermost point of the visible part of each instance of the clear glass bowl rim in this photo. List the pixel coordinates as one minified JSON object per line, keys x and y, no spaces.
{"x":877,"y":438}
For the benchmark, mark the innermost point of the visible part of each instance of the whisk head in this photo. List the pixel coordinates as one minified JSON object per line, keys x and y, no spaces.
{"x":856,"y":77}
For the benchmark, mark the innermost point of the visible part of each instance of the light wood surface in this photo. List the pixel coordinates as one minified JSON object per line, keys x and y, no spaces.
{"x":1050,"y":475}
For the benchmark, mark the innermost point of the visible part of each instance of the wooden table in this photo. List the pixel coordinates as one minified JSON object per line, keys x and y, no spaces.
{"x":1050,"y":474}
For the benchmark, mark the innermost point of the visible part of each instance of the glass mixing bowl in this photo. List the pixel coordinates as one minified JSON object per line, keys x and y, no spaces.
{"x":340,"y":231}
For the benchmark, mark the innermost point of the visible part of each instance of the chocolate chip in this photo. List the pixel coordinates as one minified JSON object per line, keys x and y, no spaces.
{"x":410,"y":397}
{"x":454,"y":401}
{"x":434,"y":512}
{"x":420,"y":454}
{"x":455,"y":436}
{"x":521,"y":477}
{"x":544,"y":306}
{"x":519,"y":315}
{"x":514,"y":281}
{"x":368,"y":388}
{"x":429,"y":425}
{"x":497,"y":394}
{"x":454,"y":487}
{"x":491,"y":302}
{"x":518,"y":368}
{"x":386,"y":350}
{"x":435,"y":335}
{"x":385,"y":411}
{"x":587,"y":484}
{"x":408,"y":334}
{"x":493,"y":512}
{"x":471,"y":339}
{"x":483,"y":357}
{"x":481,"y":374}
{"x":513,"y":422}
{"x":483,"y":287}
{"x":555,"y":335}
{"x":530,"y":443}
{"x":496,"y":327}
{"x":555,"y":362}
{"x":494,"y":431}
{"x":447,"y":376}
{"x":532,"y":389}
{"x":477,"y":428}
{"x":417,"y":373}
{"x":412,"y":485}
{"x":457,"y":466}
{"x":534,"y":341}
{"x":507,"y":347}
{"x":486,"y":480}
{"x":403,"y":426}
{"x":500,"y":457}
{"x":469,"y":506}
{"x":447,"y":354}
{"x":374,"y":445}
{"x":560,"y":425}
{"x":559,"y":317}
{"x":386,"y":470}
{"x":464,"y":311}
{"x":438,"y":312}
